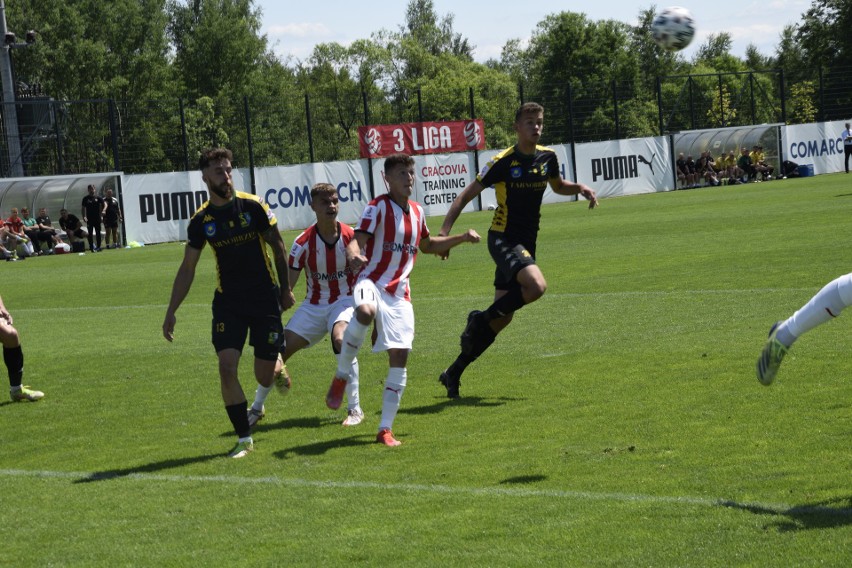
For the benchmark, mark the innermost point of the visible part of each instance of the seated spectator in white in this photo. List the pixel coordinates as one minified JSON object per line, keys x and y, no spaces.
{"x":16,"y":234}
{"x":72,"y":226}
{"x":46,"y":230}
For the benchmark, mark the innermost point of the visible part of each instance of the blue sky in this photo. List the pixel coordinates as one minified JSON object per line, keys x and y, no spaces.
{"x":294,"y":27}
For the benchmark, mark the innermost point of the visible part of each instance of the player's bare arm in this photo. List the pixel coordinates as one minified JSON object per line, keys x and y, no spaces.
{"x":440,"y":245}
{"x":472,"y":189}
{"x":565,"y":187}
{"x":180,"y":288}
{"x":279,"y":259}
{"x":294,"y":278}
{"x":354,"y":257}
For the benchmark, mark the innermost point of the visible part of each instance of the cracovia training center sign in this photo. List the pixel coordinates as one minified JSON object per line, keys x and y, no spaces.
{"x":421,"y":138}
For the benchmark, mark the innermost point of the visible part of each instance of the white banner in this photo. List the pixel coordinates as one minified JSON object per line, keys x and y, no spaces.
{"x":818,"y":144}
{"x":438,"y":179}
{"x":286,"y":189}
{"x":626,"y":167}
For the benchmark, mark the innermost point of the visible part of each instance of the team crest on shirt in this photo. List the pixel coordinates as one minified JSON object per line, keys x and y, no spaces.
{"x":245,"y":220}
{"x":210,"y":229}
{"x":516,"y":172}
{"x":273,"y":338}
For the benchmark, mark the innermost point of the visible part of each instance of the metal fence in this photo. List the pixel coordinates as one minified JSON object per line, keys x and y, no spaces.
{"x":91,"y":136}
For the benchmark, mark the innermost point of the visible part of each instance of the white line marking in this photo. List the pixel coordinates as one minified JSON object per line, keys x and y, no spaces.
{"x":779,"y":509}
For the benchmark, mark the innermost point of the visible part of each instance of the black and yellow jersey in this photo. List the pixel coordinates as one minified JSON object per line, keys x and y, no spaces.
{"x":234,"y":232}
{"x":519,"y":181}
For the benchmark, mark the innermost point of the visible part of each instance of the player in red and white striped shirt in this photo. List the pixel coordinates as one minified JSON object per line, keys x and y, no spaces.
{"x":391,"y":231}
{"x":320,"y":251}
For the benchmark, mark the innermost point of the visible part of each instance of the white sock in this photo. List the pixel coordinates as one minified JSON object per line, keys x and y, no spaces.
{"x":246,"y":439}
{"x":352,"y":396}
{"x":824,"y":306}
{"x":394,"y":387}
{"x":352,"y":340}
{"x":260,"y":396}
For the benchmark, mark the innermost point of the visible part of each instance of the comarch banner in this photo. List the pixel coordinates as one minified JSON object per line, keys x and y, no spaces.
{"x":157,"y":207}
{"x":626,"y":167}
{"x":818,"y":144}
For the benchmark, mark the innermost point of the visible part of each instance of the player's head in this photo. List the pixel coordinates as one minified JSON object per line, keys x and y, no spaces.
{"x":63,"y":212}
{"x":215,"y":166}
{"x":399,"y":175}
{"x":109,"y":192}
{"x":529,"y":122}
{"x":91,"y":189}
{"x":324,"y":201}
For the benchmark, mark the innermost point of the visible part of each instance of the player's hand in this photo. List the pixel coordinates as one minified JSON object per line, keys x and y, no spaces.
{"x":288,"y":300}
{"x":357,"y":262}
{"x":169,"y":327}
{"x":4,"y":315}
{"x":471,"y":236}
{"x":590,"y":194}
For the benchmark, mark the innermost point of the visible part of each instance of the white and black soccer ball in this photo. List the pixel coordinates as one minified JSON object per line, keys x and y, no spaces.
{"x":673,"y":28}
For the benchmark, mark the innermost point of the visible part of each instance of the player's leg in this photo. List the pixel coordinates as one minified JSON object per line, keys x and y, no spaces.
{"x":266,"y":334}
{"x":826,"y":305}
{"x":13,"y":357}
{"x":91,"y":236}
{"x":98,"y":237}
{"x":341,"y":315}
{"x":395,"y":326}
{"x":228,"y":336}
{"x":366,"y":298}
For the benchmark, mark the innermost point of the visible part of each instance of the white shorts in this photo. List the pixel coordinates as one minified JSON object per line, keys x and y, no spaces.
{"x":313,"y":321}
{"x":394,"y":316}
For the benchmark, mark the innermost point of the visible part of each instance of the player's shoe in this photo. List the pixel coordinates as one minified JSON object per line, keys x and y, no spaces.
{"x":241,"y":450}
{"x":354,"y":417}
{"x":468,"y":335}
{"x":334,"y":398}
{"x":452,"y":384}
{"x":771,"y":357}
{"x":255,"y":416}
{"x":385,"y":436}
{"x":282,"y":379}
{"x":25,"y":394}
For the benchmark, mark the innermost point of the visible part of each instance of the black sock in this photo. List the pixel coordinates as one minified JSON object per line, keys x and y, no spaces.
{"x":512,"y":301}
{"x":482,"y":340}
{"x":238,"y":413}
{"x":14,"y":359}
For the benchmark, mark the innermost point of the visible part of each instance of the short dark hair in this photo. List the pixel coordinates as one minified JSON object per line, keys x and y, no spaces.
{"x":214,"y":155}
{"x":528,"y":108}
{"x":398,"y":160}
{"x":325,"y":188}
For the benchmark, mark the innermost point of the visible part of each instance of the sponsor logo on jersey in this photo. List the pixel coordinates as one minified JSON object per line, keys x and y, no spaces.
{"x":399,"y":247}
{"x":207,"y":218}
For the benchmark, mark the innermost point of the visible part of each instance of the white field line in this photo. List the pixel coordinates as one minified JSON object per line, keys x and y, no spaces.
{"x":510,"y":492}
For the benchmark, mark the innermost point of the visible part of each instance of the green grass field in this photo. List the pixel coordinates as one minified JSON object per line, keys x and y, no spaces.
{"x":617,"y":421}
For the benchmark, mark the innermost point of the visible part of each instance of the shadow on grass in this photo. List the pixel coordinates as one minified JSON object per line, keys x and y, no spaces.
{"x":286,"y":424}
{"x":523,"y":479}
{"x":472,"y":401}
{"x":320,"y":448}
{"x":823,"y":515}
{"x":148,"y":468}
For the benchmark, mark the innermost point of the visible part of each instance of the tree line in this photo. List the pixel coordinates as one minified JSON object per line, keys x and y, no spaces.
{"x":173,"y":76}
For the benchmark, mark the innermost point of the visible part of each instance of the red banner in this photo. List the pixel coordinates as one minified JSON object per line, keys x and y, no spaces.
{"x":422,"y":138}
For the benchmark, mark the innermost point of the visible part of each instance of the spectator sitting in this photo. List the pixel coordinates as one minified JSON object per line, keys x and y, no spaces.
{"x":16,"y":234}
{"x":760,"y":165}
{"x":46,"y":230}
{"x":692,"y":170}
{"x":746,"y":167}
{"x":73,"y":228}
{"x":4,"y":236}
{"x":31,"y":229}
{"x":684,"y":177}
{"x":706,"y":170}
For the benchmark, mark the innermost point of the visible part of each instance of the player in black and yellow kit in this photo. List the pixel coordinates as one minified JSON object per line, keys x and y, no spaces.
{"x":520,"y":175}
{"x":247,"y":300}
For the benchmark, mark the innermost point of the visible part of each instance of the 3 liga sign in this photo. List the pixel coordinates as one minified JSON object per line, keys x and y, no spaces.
{"x":415,"y":138}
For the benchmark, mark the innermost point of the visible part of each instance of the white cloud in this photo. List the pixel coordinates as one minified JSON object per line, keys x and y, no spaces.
{"x":302,"y":30}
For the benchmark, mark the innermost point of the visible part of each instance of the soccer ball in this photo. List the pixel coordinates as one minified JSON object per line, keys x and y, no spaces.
{"x":673,"y":28}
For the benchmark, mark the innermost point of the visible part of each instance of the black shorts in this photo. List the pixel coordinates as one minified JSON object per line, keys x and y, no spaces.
{"x":510,"y":257}
{"x":111,"y":223}
{"x":261,"y":321}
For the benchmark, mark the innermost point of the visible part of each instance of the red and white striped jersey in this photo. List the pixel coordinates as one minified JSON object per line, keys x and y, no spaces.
{"x":392,"y":248}
{"x":326,"y":274}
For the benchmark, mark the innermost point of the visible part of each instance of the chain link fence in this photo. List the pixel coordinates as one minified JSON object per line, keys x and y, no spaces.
{"x":92,"y":136}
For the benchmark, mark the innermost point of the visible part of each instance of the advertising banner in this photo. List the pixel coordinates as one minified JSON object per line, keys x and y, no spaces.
{"x":818,"y":144}
{"x":417,"y":138}
{"x":626,"y":167}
